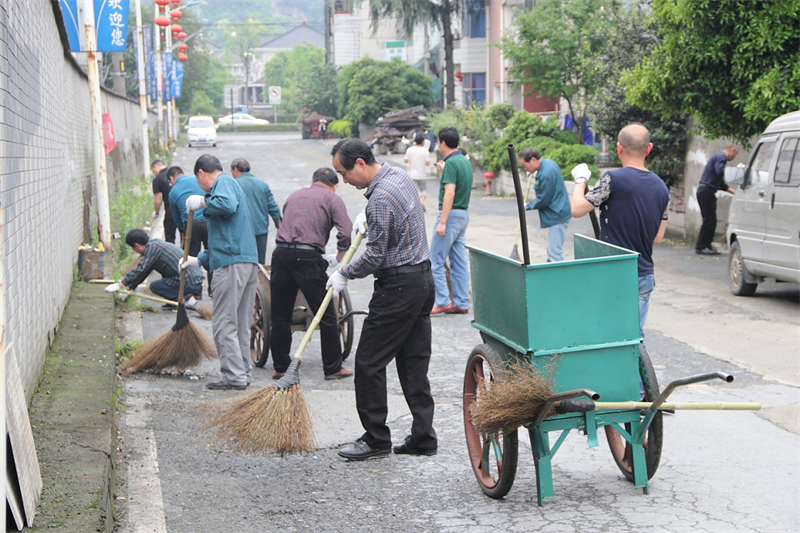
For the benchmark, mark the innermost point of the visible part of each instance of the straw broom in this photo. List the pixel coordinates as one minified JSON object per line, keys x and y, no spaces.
{"x":275,"y":418}
{"x":520,"y":390}
{"x":180,"y":347}
{"x":204,"y":312}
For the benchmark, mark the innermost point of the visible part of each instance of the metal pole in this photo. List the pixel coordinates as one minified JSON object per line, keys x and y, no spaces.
{"x":170,"y":101}
{"x":103,"y":212}
{"x":142,"y":88}
{"x":160,"y":78}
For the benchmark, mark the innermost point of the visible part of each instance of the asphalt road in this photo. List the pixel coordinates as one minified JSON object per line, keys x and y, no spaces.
{"x":719,"y":472}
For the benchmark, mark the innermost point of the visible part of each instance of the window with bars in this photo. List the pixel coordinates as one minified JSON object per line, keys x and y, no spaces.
{"x":474,"y":88}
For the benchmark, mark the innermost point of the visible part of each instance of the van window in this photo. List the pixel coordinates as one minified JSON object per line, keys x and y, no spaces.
{"x":787,"y":172}
{"x":201,"y":122}
{"x":758,"y":173}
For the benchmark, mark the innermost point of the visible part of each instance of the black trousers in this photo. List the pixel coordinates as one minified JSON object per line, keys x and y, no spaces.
{"x":261,"y":248}
{"x":169,"y":226}
{"x":398,"y":327}
{"x":200,"y":237}
{"x":707,"y":200}
{"x":306,"y":270}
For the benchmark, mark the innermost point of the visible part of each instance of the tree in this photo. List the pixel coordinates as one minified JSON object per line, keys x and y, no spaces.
{"x":289,"y":68}
{"x":240,"y":42}
{"x":553,"y":48}
{"x":380,"y":85}
{"x":317,"y":90}
{"x":431,"y":13}
{"x":735,"y":69}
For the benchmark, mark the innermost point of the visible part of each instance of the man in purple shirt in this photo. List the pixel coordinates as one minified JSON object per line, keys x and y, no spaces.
{"x":298,"y":262}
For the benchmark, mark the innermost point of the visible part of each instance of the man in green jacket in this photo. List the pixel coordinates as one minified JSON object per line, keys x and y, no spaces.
{"x":261,"y":202}
{"x":551,"y":201}
{"x":231,"y":255}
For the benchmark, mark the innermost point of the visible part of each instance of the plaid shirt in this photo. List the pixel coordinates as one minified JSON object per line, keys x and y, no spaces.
{"x":396,"y":225}
{"x":162,"y":257}
{"x":310,"y":214}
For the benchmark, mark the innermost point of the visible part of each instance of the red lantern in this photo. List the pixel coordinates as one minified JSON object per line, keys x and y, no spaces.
{"x":176,"y":14}
{"x":162,"y":3}
{"x":182,"y":47}
{"x":182,"y":35}
{"x":175,"y":2}
{"x":459,"y":76}
{"x":176,"y":28}
{"x":162,"y":21}
{"x":182,"y":57}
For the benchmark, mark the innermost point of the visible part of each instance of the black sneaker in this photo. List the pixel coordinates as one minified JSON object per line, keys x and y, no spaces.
{"x":407,"y":449}
{"x":706,"y":251}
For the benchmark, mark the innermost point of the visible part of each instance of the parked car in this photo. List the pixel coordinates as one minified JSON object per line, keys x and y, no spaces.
{"x":241,"y":119}
{"x":201,"y":131}
{"x":764,"y":220}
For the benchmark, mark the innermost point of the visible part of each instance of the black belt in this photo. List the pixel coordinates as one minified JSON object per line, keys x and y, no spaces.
{"x":297,"y":246}
{"x":454,"y":207}
{"x":404,"y":269}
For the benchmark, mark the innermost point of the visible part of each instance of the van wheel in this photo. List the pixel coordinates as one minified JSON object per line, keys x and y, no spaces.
{"x":738,"y":273}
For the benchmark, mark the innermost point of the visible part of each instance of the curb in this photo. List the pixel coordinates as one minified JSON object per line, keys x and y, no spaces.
{"x":73,"y":417}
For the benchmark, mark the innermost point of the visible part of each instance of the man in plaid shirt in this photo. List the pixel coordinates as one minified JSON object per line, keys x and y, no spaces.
{"x":398,"y":325}
{"x":162,"y":257}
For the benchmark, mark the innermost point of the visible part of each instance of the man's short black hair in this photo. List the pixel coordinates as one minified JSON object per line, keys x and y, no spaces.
{"x":136,"y":236}
{"x":174,"y":171}
{"x":325,"y":175}
{"x":449,"y":136}
{"x":529,"y":153}
{"x":420,"y":138}
{"x":240,"y":164}
{"x":350,"y":150}
{"x":156,"y":162}
{"x":207,"y":163}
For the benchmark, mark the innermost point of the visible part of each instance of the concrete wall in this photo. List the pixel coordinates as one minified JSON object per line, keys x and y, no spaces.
{"x":47,"y":183}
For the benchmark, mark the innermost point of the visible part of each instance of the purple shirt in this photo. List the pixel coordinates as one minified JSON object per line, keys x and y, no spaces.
{"x":310,"y":214}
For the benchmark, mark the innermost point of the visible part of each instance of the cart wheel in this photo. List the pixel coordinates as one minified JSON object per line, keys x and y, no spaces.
{"x":620,"y":448}
{"x":344,"y":306}
{"x":493,"y":457}
{"x":260,"y":328}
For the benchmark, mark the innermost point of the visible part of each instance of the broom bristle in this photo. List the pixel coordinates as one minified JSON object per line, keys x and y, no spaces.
{"x":180,"y":349}
{"x":512,"y":399}
{"x":264,"y":421}
{"x":204,"y":312}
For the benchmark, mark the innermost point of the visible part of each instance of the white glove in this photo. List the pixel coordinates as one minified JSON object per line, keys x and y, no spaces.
{"x":581,"y":173}
{"x":360,"y":223}
{"x":155,"y":214}
{"x":337,"y":281}
{"x":332,"y":259}
{"x":114,"y":287}
{"x":191,"y":262}
{"x":194,"y":202}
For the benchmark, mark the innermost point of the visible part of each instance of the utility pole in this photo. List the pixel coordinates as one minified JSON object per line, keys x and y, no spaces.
{"x":142,"y":88}
{"x":101,"y":182}
{"x":160,"y":78}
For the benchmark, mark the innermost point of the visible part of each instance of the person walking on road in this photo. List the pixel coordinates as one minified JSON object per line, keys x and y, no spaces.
{"x":712,"y":180}
{"x":398,"y":325}
{"x":551,"y":200}
{"x":449,"y":239}
{"x":633,"y":204}
{"x":161,"y":189}
{"x":162,"y":257}
{"x":261,"y":202}
{"x":298,"y":262}
{"x":418,"y":159}
{"x":231,"y":255}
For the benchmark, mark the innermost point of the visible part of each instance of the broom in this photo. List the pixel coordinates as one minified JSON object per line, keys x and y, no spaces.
{"x":519,"y":390}
{"x":275,"y":418}
{"x":182,"y":346}
{"x":204,"y":312}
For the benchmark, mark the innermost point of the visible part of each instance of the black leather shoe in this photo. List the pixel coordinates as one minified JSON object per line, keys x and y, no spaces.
{"x":360,"y":451}
{"x":407,"y":449}
{"x":221,"y":385}
{"x":707,"y":251}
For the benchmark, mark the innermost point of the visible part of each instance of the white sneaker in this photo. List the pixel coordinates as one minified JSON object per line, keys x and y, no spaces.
{"x":191,"y":303}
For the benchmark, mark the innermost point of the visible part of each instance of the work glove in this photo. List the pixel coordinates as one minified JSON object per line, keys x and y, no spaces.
{"x":114,"y":287}
{"x":332,"y":259}
{"x":581,"y":173}
{"x":155,"y":214}
{"x":529,"y":206}
{"x":194,"y":202}
{"x":337,"y":281}
{"x":191,"y":262}
{"x":360,"y":223}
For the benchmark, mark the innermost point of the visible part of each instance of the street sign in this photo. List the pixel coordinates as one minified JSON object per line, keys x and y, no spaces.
{"x":275,"y":95}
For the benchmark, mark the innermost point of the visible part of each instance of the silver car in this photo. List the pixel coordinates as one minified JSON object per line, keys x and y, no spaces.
{"x":201,"y":131}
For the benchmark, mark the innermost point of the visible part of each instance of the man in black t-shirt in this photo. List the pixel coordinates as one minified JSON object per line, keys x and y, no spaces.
{"x":161,"y":189}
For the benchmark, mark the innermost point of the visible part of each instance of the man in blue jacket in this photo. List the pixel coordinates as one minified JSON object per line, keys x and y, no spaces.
{"x":231,"y":255}
{"x":183,"y":187}
{"x":551,"y":201}
{"x":261,"y":202}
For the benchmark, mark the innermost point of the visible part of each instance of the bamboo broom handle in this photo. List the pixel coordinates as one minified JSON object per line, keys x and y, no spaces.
{"x":327,"y":300}
{"x":186,"y":242}
{"x":148,"y":297}
{"x":684,"y":406}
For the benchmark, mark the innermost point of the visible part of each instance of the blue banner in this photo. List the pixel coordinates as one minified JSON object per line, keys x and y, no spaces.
{"x":176,"y":88}
{"x":111,"y":25}
{"x":166,"y":64}
{"x":152,"y":78}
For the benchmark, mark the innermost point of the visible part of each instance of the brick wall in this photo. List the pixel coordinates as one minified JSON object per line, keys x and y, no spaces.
{"x":47,"y":182}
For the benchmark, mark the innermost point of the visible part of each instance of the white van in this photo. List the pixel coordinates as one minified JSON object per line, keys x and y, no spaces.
{"x":764,"y":220}
{"x":201,"y":131}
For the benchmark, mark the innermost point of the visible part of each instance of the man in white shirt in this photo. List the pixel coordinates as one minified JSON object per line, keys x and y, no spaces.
{"x":417,"y":159}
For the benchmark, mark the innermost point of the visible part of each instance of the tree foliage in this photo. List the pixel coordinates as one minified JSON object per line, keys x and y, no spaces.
{"x":318,"y":91}
{"x":736,"y":66}
{"x":291,"y":69}
{"x":373,"y":87}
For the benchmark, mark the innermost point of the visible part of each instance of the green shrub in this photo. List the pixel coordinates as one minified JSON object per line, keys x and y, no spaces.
{"x":498,"y":115}
{"x":570,"y":155}
{"x":566,"y":137}
{"x":130,"y":208}
{"x":255,"y":128}
{"x":340,"y":128}
{"x":288,"y":118}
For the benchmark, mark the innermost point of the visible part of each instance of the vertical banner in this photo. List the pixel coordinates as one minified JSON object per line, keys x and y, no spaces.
{"x":176,"y":88}
{"x":112,"y":24}
{"x":152,"y":77}
{"x":109,"y":142}
{"x":166,"y":64}
{"x":150,"y":61}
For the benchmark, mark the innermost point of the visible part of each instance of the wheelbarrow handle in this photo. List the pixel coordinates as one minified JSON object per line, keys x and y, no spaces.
{"x":582,"y":406}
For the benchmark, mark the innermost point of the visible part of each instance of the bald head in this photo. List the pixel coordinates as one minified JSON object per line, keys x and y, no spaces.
{"x":635,"y":139}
